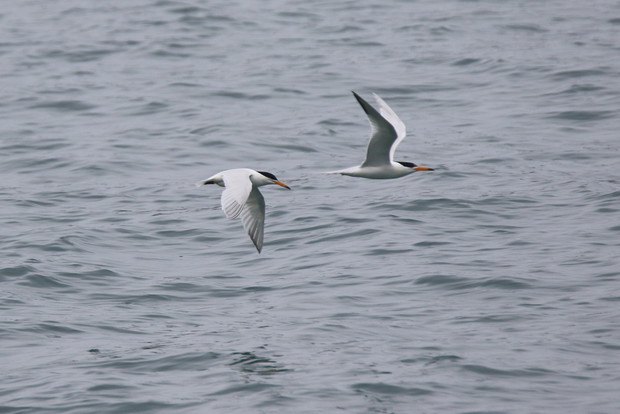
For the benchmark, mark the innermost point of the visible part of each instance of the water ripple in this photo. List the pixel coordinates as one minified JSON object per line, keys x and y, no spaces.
{"x":388,"y":389}
{"x":487,"y":285}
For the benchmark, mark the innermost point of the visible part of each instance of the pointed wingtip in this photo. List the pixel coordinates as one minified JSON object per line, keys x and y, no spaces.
{"x":365,"y":105}
{"x":259,"y":248}
{"x":257,"y":242}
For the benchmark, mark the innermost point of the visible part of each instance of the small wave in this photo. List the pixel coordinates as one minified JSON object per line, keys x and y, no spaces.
{"x":343,"y":236}
{"x":249,"y":362}
{"x":388,"y":389}
{"x":42,"y":281}
{"x":149,"y":109}
{"x":53,"y":328}
{"x":581,"y":73}
{"x":64,"y":106}
{"x":532,"y":28}
{"x":80,"y":55}
{"x":582,"y":115}
{"x":576,"y":89}
{"x":28,"y":147}
{"x":458,"y":283}
{"x":466,"y":61}
{"x":134,"y":299}
{"x":234,"y":94}
{"x":244,"y":389}
{"x":15,"y":271}
{"x":612,"y":196}
{"x":494,"y":372}
{"x":190,"y":361}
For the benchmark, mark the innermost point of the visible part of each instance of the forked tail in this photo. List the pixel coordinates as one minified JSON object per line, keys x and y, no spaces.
{"x":204,"y":182}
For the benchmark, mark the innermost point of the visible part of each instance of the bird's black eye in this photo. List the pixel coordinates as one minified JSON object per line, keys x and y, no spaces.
{"x":407,"y":164}
{"x":268,"y":175}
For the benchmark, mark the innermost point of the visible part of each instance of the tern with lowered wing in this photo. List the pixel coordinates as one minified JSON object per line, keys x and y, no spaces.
{"x":242,"y":198}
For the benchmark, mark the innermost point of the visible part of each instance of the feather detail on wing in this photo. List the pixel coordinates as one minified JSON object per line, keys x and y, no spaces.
{"x":383,"y":136}
{"x":234,"y":197}
{"x":253,"y":217}
{"x":398,"y":125}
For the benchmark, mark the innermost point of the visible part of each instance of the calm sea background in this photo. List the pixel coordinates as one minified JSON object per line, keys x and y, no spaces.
{"x":491,"y":285}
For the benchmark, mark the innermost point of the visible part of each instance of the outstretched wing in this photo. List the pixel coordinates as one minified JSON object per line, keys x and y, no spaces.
{"x":253,"y":217}
{"x":398,"y":125}
{"x":238,"y":188}
{"x":387,"y":130}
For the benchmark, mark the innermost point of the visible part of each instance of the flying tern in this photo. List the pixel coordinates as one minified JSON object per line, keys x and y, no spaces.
{"x":242,"y":198}
{"x":387,"y":132}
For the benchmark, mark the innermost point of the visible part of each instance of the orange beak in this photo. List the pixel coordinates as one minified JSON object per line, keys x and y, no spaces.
{"x":421,"y":168}
{"x":280,"y":183}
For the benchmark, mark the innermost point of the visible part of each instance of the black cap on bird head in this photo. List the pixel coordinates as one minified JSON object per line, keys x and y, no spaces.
{"x":267,"y":174}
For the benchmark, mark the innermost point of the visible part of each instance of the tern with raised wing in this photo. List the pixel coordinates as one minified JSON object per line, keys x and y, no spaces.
{"x":387,"y":131}
{"x":242,"y":198}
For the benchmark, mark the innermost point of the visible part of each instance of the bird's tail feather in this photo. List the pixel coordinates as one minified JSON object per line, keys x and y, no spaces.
{"x":203,"y":182}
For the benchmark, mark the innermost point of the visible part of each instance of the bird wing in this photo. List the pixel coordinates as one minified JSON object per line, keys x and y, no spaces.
{"x":253,"y":217}
{"x":387,"y":130}
{"x":238,"y":189}
{"x":398,"y":125}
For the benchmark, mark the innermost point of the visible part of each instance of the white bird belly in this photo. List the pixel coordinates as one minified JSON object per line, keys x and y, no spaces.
{"x":380,"y":173}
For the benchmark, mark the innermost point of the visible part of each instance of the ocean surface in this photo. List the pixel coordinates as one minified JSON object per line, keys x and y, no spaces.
{"x":490,"y":285}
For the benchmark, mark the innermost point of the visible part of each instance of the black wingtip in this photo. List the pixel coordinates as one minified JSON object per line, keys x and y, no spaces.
{"x":362,"y":102}
{"x":258,"y":248}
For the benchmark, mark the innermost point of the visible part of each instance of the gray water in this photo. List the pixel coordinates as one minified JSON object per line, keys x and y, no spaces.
{"x":490,"y":285}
